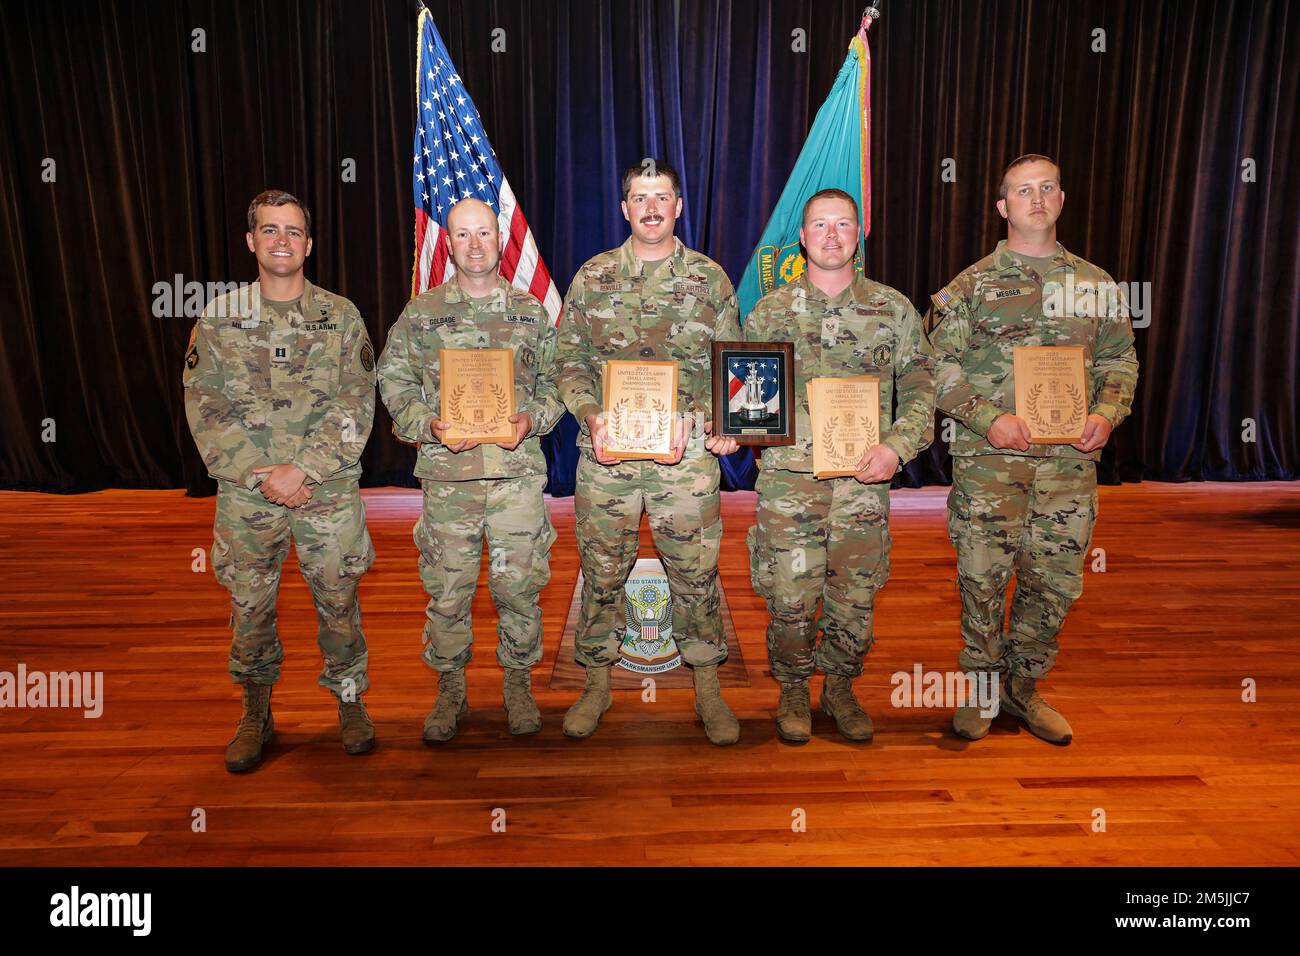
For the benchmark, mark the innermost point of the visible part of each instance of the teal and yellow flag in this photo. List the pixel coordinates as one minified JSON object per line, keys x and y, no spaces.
{"x":836,"y":155}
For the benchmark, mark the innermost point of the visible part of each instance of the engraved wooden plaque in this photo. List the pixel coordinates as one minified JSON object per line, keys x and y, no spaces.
{"x":1051,"y":392}
{"x":640,"y":408}
{"x":478,"y":394}
{"x":845,"y":415}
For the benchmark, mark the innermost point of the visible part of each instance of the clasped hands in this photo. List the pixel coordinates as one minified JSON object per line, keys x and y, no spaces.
{"x":682,"y":431}
{"x":284,"y":485}
{"x":1012,"y":433}
{"x":522,"y":421}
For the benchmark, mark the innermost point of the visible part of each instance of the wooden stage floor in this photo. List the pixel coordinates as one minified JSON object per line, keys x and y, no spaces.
{"x":1201,"y":592}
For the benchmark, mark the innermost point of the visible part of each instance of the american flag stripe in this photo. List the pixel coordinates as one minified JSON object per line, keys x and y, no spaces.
{"x":453,"y":160}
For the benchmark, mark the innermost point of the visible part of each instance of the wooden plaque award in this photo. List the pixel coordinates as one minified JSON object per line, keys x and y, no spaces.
{"x":640,"y":408}
{"x":845,"y":415}
{"x":478,"y":394}
{"x":1051,"y":392}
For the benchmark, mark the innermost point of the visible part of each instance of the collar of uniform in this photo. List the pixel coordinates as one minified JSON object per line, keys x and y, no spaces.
{"x":630,"y":265}
{"x":456,"y":295}
{"x":1005,"y":260}
{"x":250,"y":301}
{"x":856,"y":292}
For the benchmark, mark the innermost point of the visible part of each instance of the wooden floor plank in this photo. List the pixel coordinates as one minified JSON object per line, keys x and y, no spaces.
{"x":1201,"y":592}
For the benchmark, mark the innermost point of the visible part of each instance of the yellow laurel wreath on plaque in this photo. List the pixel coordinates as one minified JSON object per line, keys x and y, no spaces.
{"x":828,"y":437}
{"x":1031,"y":403}
{"x":500,"y":393}
{"x":645,"y":444}
{"x":454,"y":402}
{"x":1076,"y":399}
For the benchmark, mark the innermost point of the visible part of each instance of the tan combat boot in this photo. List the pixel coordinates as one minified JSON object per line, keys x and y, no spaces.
{"x":255,"y":727}
{"x":355,"y":727}
{"x":1020,"y":698}
{"x":720,"y":724}
{"x":522,"y":715}
{"x":838,"y":702}
{"x":968,"y":722}
{"x":451,"y":706}
{"x":794,"y":713}
{"x":584,"y":715}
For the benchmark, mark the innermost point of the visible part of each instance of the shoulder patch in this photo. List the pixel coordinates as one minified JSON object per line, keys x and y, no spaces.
{"x":367,"y":357}
{"x":946,"y":298}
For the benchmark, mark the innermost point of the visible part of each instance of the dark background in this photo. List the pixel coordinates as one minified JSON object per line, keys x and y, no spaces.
{"x":159,"y":150}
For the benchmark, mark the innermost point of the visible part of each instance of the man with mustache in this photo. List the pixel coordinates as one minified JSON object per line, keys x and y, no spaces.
{"x":827,"y":541}
{"x":1014,"y":505}
{"x":652,"y":298}
{"x":280,"y":395}
{"x":474,"y":490}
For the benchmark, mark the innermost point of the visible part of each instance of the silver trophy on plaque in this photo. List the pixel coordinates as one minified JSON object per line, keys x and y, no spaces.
{"x":752,"y":406}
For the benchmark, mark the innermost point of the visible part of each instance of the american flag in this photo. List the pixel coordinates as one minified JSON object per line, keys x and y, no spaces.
{"x":738,"y":371}
{"x":453,"y":160}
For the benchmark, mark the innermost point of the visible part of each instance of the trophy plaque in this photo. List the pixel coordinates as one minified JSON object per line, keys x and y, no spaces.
{"x":640,"y":408}
{"x":845,"y":415}
{"x":478,"y":394}
{"x":753,"y":392}
{"x":1051,"y":392}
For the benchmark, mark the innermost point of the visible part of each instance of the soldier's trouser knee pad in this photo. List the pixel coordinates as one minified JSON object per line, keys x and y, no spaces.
{"x":456,"y":518}
{"x":818,"y":541}
{"x":334,"y":551}
{"x":684,"y":510}
{"x":250,"y":538}
{"x":1033,"y":516}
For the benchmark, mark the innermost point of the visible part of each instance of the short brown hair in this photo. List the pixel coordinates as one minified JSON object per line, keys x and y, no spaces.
{"x":651,"y":168}
{"x":829,"y":194}
{"x":276,"y":197}
{"x":1020,"y":161}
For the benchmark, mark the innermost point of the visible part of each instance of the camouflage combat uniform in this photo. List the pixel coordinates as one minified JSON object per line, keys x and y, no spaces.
{"x":1029,"y":512}
{"x":484,"y":490}
{"x":828,"y":540}
{"x":286,"y":383}
{"x":618,"y":309}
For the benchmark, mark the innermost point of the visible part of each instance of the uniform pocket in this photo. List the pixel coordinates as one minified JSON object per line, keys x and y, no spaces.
{"x":762,"y":564}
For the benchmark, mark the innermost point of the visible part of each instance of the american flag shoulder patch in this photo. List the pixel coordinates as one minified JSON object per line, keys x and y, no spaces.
{"x":945,"y":298}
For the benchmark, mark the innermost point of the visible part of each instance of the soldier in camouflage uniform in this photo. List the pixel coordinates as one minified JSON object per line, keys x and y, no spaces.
{"x":1017,"y":506}
{"x":650,"y":299}
{"x":280,"y":396}
{"x":828,"y":540}
{"x":473,"y":489}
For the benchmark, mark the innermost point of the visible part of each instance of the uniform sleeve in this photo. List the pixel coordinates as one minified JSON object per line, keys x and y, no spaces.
{"x":340,"y":437}
{"x":218,"y":423}
{"x":913,"y":428}
{"x":546,"y":408}
{"x":950,"y":337}
{"x":758,"y":328}
{"x":576,"y":357}
{"x":1115,"y":362}
{"x":726,"y":328}
{"x":401,"y":383}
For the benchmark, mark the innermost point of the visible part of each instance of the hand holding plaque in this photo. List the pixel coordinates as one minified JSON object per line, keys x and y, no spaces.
{"x":640,"y":409}
{"x":1051,"y":392}
{"x":478,"y":394}
{"x":845,"y":414}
